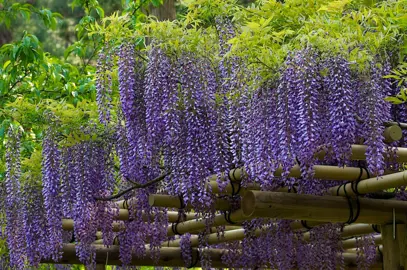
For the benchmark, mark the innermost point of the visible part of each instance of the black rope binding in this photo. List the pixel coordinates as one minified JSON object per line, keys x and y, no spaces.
{"x":354,"y":184}
{"x":227,"y":217}
{"x":193,"y":264}
{"x":352,"y":216}
{"x":305,"y":225}
{"x":114,"y":240}
{"x":73,"y":239}
{"x":234,"y":192}
{"x":174,"y":226}
{"x":125,"y":204}
{"x":182,"y":203}
{"x":375,"y":228}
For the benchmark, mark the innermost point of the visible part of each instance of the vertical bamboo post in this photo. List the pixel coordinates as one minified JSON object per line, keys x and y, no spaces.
{"x":391,"y":249}
{"x":402,"y":240}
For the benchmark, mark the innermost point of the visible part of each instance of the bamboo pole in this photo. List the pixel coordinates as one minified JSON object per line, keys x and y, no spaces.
{"x":159,"y":200}
{"x":391,"y":249}
{"x":213,"y":238}
{"x":200,"y":224}
{"x":351,"y":243}
{"x":350,"y":231}
{"x":323,"y":172}
{"x":171,"y":257}
{"x":373,"y":184}
{"x":350,"y":260}
{"x":401,"y":125}
{"x":68,"y":224}
{"x":402,"y":241}
{"x":392,"y":134}
{"x":226,"y":228}
{"x":355,"y":250}
{"x":231,"y":188}
{"x":101,"y":242}
{"x":300,"y":225}
{"x":317,"y":208}
{"x":172,"y":215}
{"x":359,"y":153}
{"x":238,"y":234}
{"x":357,"y":229}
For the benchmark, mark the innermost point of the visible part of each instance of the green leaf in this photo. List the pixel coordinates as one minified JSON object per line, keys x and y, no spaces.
{"x":156,"y":3}
{"x":6,"y":64}
{"x":100,"y":12}
{"x":393,"y":100}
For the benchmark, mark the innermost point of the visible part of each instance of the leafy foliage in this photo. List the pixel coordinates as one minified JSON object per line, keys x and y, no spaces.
{"x":196,"y":96}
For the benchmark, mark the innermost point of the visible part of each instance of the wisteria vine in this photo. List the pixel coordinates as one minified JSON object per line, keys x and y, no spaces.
{"x":181,"y":118}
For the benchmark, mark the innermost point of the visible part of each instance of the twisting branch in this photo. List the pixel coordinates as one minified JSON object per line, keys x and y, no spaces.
{"x":135,"y":186}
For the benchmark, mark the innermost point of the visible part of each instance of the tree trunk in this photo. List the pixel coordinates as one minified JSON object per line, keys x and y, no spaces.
{"x":166,"y":11}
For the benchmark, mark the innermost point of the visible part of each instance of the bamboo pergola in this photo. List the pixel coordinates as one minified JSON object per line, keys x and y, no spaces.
{"x":386,"y":217}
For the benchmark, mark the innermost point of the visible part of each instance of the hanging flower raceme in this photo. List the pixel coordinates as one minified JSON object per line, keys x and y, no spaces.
{"x":14,"y":231}
{"x":286,"y":120}
{"x":67,"y":182}
{"x":104,"y":84}
{"x":186,"y":250}
{"x":131,"y":88}
{"x":307,"y":88}
{"x":158,"y":91}
{"x":51,"y":192}
{"x":92,"y":172}
{"x":377,"y":112}
{"x":342,"y":112}
{"x":35,"y":223}
{"x":195,"y":144}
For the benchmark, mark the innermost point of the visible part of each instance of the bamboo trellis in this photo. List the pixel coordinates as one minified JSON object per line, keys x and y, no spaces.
{"x":386,"y":217}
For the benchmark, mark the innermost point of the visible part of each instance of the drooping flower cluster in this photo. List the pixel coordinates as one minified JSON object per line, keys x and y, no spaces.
{"x":366,"y":251}
{"x":35,"y":224}
{"x":51,"y":192}
{"x":341,"y":108}
{"x":104,"y":84}
{"x":189,"y":117}
{"x":186,"y":250}
{"x":14,"y":231}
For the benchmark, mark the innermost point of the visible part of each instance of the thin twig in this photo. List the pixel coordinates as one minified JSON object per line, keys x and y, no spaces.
{"x":135,"y":186}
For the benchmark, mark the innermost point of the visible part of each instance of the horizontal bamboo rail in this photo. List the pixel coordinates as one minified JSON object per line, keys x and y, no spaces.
{"x":318,"y":208}
{"x":373,"y":184}
{"x":351,"y":243}
{"x":359,"y":153}
{"x":68,"y":224}
{"x":231,"y":188}
{"x":200,"y":224}
{"x":314,"y":209}
{"x":358,"y":229}
{"x":355,"y":250}
{"x":323,"y":172}
{"x":320,"y":171}
{"x":159,"y":200}
{"x":350,"y":260}
{"x":172,"y":215}
{"x":171,"y":257}
{"x":101,"y":242}
{"x":238,"y":234}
